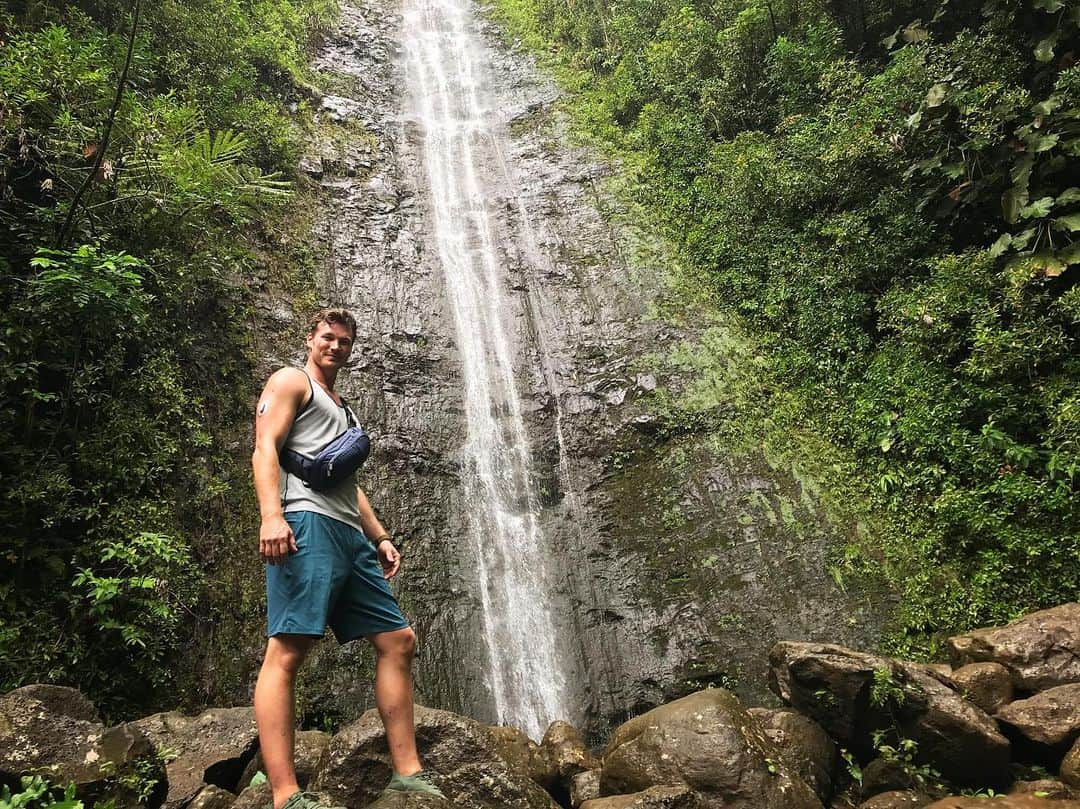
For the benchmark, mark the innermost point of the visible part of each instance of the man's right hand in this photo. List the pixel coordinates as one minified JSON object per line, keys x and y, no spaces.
{"x":276,"y":540}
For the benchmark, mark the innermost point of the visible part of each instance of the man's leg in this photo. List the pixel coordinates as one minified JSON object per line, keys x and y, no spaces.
{"x":275,"y":712}
{"x":394,"y":697}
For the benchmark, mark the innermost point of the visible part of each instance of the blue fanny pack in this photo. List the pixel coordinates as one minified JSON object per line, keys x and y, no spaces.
{"x":334,"y":463}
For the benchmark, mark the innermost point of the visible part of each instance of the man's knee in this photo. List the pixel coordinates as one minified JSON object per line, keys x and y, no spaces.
{"x":399,"y":643}
{"x":287,"y":652}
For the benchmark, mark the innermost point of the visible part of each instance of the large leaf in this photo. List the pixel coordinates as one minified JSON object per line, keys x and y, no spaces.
{"x":1068,"y":195}
{"x":1042,"y":143}
{"x":1038,"y":209}
{"x":1044,"y":51}
{"x":1012,"y":201}
{"x":935,"y":96}
{"x":1070,"y":222}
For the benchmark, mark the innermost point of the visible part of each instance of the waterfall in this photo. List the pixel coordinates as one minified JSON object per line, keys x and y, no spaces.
{"x":445,"y":64}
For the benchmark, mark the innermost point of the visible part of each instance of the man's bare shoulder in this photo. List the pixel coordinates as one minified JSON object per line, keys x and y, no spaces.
{"x":290,"y":383}
{"x":288,"y":377}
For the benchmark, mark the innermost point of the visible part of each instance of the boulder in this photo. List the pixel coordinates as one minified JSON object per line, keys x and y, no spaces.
{"x":896,"y":799}
{"x":1003,"y":802}
{"x":62,"y":701}
{"x":1040,"y":650}
{"x":211,"y":748}
{"x":406,"y":800}
{"x":585,"y":786}
{"x":651,"y":798}
{"x":988,"y":685}
{"x":1049,"y":719}
{"x":212,"y":797}
{"x":524,"y":755}
{"x":1070,"y":767}
{"x":886,"y":775}
{"x":256,"y":797}
{"x":804,"y":745}
{"x":464,"y":754}
{"x":854,"y":695}
{"x":46,"y":729}
{"x":1043,"y":788}
{"x":563,"y":746}
{"x":709,"y":743}
{"x":310,"y":747}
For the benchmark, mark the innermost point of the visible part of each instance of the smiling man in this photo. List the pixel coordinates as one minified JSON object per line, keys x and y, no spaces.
{"x":321,"y":568}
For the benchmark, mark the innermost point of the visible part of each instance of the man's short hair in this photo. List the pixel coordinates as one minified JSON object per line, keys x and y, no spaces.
{"x":333,"y":315}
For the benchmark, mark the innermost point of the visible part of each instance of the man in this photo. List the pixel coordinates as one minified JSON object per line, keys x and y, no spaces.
{"x":320,"y":567}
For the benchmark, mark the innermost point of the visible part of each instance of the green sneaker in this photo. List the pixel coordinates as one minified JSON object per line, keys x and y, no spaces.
{"x":306,"y":800}
{"x":418,"y":782}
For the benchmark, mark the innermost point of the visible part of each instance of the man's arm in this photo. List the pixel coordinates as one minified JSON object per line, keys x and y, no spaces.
{"x":278,"y":405}
{"x":389,"y":557}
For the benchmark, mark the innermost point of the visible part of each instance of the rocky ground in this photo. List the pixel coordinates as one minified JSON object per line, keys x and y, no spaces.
{"x":857,"y":730}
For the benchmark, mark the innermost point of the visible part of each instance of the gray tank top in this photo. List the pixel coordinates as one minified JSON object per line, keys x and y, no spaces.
{"x":318,"y":423}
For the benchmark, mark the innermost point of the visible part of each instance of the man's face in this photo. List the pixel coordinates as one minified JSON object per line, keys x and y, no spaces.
{"x":330,"y":344}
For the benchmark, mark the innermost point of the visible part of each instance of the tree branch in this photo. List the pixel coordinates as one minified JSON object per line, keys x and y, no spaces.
{"x":69,"y":222}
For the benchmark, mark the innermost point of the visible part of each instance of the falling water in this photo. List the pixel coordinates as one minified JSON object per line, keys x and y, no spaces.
{"x":445,"y":64}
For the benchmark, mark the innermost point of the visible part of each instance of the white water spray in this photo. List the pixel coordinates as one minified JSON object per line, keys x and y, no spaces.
{"x":445,"y":62}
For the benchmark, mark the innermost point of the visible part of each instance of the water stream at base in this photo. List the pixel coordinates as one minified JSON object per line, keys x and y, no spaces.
{"x":445,"y":66}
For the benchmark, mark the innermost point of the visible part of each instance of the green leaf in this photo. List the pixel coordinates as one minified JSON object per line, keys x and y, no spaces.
{"x":1071,"y":222}
{"x":1021,"y":171}
{"x":915,"y":33}
{"x":1049,"y":6}
{"x":1038,"y":209}
{"x":1002,"y":244}
{"x":1011,"y":202}
{"x":1070,"y":255}
{"x":1048,"y":106}
{"x":1069,"y":195}
{"x":936,"y":95}
{"x":1021,"y":240}
{"x":953,"y":170}
{"x":1044,"y":51}
{"x":1042,"y":143}
{"x":1049,"y":264}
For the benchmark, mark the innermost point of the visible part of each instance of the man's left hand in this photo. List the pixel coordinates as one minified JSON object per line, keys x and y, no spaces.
{"x":389,"y":558}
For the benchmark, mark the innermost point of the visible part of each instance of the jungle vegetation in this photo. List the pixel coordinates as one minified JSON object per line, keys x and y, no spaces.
{"x":146,"y":148}
{"x":886,"y":197}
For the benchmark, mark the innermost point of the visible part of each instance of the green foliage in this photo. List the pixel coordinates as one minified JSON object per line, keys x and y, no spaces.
{"x":885,"y":691}
{"x":904,"y":753}
{"x":885,"y":197}
{"x":37,"y":793}
{"x":125,"y":360}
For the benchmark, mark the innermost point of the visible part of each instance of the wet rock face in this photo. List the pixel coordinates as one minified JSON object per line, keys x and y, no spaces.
{"x":637,"y":628}
{"x":706,"y":742}
{"x":853,"y":695}
{"x":1040,"y":650}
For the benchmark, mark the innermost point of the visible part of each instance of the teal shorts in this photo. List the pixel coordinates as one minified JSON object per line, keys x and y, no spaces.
{"x":333,"y":579}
